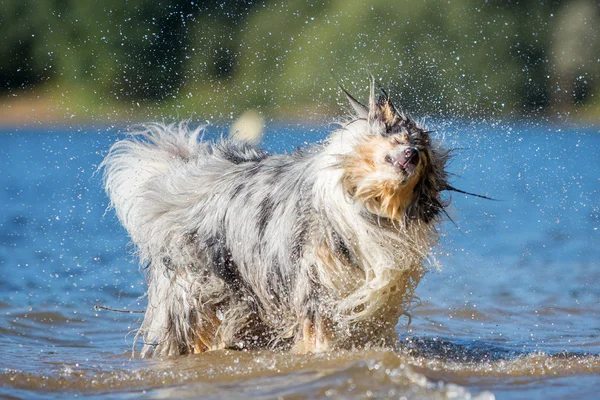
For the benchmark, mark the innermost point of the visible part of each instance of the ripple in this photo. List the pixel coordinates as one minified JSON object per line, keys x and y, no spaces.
{"x":250,"y":375}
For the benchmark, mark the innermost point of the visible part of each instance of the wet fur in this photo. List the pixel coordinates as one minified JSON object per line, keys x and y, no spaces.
{"x":310,"y":251}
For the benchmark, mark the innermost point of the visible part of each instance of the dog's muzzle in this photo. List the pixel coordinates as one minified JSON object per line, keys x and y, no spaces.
{"x":406,"y":159}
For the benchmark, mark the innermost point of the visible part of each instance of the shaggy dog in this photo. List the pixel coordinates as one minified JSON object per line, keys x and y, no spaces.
{"x":309,"y":251}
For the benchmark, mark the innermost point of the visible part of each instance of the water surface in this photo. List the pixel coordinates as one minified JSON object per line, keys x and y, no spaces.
{"x":511,"y":314}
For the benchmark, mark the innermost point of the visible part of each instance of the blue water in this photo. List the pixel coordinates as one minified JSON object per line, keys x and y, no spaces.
{"x":518,"y":279}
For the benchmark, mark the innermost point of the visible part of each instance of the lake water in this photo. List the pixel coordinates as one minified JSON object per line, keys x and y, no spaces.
{"x":513,"y":313}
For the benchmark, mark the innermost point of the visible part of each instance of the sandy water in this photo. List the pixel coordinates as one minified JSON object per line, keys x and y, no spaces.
{"x":512,"y":314}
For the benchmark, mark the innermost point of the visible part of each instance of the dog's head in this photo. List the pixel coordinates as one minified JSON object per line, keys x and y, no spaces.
{"x":392,"y":167}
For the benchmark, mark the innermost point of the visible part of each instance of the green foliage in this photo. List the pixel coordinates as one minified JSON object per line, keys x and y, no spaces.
{"x":456,"y":57}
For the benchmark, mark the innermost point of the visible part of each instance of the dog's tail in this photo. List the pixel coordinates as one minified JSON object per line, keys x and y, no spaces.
{"x":132,"y":163}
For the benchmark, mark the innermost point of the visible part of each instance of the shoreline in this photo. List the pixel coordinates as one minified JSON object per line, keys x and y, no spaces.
{"x":30,"y":111}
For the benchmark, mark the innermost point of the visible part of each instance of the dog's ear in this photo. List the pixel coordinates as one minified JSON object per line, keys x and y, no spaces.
{"x":360,"y":109}
{"x":382,"y":110}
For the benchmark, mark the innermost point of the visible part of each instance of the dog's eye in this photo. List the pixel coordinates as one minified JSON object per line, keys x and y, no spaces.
{"x":400,"y":139}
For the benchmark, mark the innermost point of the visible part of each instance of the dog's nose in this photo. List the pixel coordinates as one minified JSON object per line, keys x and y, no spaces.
{"x":411,"y":155}
{"x":405,"y":158}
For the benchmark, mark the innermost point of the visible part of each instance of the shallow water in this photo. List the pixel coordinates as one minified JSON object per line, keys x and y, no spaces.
{"x":513,"y":312}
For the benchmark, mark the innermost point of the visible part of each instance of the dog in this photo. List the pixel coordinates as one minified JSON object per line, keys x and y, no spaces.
{"x":311,"y":251}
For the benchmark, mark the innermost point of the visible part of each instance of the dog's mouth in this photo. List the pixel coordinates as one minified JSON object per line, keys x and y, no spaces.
{"x":405,"y":161}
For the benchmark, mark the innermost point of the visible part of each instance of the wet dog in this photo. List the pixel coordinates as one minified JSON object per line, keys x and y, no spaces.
{"x":309,"y":251}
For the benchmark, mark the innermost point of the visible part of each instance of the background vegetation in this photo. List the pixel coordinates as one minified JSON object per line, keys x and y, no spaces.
{"x":120,"y":60}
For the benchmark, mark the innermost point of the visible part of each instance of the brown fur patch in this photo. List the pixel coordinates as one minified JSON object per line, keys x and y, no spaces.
{"x":387,"y":115}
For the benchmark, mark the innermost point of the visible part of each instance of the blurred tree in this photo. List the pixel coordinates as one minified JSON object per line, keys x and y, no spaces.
{"x":21,"y":64}
{"x":457,"y":57}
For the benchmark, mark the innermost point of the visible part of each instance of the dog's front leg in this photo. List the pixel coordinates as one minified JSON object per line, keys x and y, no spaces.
{"x":206,"y":333}
{"x":315,"y":336}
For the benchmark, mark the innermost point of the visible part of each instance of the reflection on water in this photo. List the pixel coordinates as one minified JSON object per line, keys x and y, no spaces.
{"x":513,"y":311}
